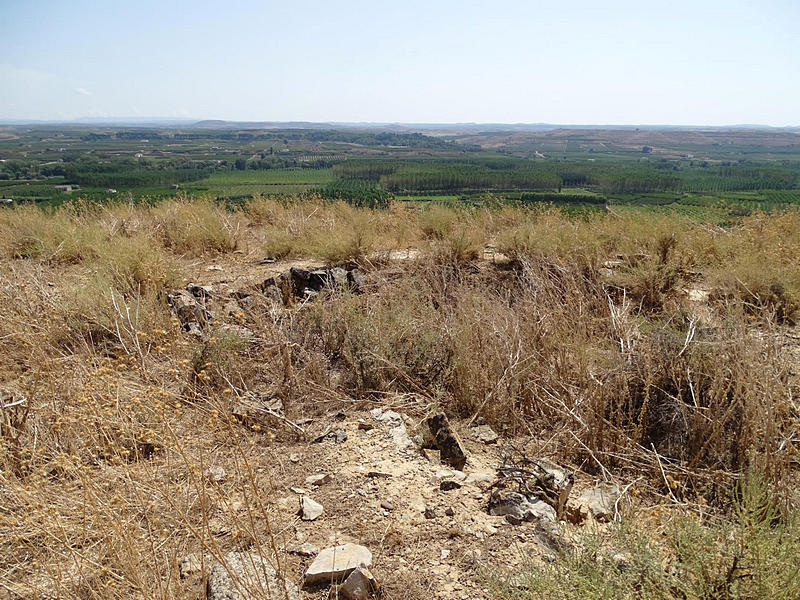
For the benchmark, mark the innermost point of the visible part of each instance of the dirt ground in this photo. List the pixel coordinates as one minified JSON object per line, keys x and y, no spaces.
{"x":382,"y":492}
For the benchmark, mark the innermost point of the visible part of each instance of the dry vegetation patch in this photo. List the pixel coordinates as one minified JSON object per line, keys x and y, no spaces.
{"x":585,"y":340}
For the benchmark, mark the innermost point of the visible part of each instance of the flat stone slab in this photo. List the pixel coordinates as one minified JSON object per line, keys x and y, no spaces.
{"x":337,"y":562}
{"x":484,"y":433}
{"x":247,"y":576}
{"x":600,"y":501}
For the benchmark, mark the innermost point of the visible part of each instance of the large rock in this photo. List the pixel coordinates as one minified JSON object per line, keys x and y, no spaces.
{"x":481,"y":479}
{"x":433,"y":456}
{"x":335,"y":563}
{"x":188,"y":310}
{"x":400,"y":437}
{"x":304,"y":281}
{"x":355,"y":279}
{"x":549,"y":537}
{"x":398,"y":432}
{"x":247,"y":576}
{"x":300,"y":280}
{"x":484,"y":433}
{"x":599,"y":501}
{"x":336,"y":277}
{"x":200,"y":291}
{"x":447,"y":441}
{"x":276,"y":288}
{"x":390,"y":417}
{"x":518,"y":508}
{"x":359,"y":585}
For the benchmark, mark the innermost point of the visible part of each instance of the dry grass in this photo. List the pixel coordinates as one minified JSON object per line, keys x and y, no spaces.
{"x":609,"y":366}
{"x":195,"y":226}
{"x":333,"y":232}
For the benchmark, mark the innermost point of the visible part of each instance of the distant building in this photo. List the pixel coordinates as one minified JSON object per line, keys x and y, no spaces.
{"x":65,"y":188}
{"x":111,"y":191}
{"x":6,"y":201}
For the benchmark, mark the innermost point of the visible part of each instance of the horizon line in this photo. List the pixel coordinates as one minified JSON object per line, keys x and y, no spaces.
{"x":125,"y":120}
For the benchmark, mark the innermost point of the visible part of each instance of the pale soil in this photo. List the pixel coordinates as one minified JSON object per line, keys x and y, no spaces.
{"x":407,"y":547}
{"x":413,"y":556}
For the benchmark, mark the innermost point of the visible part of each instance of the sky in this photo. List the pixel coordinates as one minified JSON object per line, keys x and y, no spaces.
{"x":698,"y":62}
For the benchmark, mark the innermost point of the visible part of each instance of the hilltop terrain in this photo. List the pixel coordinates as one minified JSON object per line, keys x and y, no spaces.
{"x":191,"y":389}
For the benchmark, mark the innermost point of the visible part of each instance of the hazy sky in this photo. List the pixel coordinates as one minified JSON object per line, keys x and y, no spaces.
{"x":709,"y":62}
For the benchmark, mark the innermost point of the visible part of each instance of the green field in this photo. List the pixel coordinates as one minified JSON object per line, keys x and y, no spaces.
{"x":672,"y":171}
{"x":240,"y":184}
{"x":290,"y":176}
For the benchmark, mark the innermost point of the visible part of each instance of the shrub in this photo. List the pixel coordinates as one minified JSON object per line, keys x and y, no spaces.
{"x":195,"y":227}
{"x":391,"y":342}
{"x":437,"y":221}
{"x":134,"y":265}
{"x":348,"y":237}
{"x":58,"y":237}
{"x":748,"y":558}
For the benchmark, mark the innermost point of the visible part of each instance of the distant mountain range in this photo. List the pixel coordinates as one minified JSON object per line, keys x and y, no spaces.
{"x":405,"y":127}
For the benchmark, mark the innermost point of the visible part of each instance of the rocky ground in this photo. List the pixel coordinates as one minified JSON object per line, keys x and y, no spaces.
{"x":366,"y":479}
{"x":435,"y":509}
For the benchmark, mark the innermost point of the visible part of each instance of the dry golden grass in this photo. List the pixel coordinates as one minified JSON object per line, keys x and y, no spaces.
{"x":333,"y":232}
{"x":608,"y":365}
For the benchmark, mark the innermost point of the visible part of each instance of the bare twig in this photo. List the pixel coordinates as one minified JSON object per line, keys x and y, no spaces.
{"x":3,"y":404}
{"x":606,"y":473}
{"x":664,"y":474}
{"x":617,"y":516}
{"x":689,"y":337}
